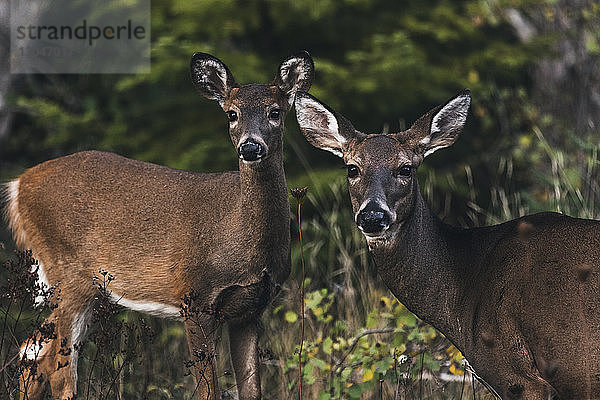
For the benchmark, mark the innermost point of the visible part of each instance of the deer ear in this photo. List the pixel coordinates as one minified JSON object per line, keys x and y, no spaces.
{"x":447,"y":121}
{"x":295,"y":73}
{"x":321,"y":126}
{"x":211,"y":77}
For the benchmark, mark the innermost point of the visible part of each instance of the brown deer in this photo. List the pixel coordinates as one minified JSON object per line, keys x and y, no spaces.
{"x":520,"y":299}
{"x":221,"y":239}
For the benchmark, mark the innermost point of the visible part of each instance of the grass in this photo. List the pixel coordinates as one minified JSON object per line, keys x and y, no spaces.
{"x":359,"y":343}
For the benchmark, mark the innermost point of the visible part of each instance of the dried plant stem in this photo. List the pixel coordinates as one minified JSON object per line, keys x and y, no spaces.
{"x":301,"y":301}
{"x":299,"y":194}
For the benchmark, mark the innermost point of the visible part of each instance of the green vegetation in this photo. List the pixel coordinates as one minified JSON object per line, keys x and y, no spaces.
{"x":382,"y":64}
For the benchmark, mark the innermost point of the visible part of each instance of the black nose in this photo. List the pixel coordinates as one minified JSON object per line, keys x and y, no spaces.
{"x":250,"y":151}
{"x":373,"y":220}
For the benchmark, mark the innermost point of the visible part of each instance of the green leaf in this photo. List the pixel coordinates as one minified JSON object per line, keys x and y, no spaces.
{"x":407,"y":319}
{"x":415,"y":334}
{"x":308,"y":373}
{"x":399,"y":343}
{"x":383,"y":365}
{"x":291,"y":317}
{"x":346,"y":372}
{"x":368,"y":374}
{"x":355,"y":391}
{"x":324,"y":396}
{"x":372,"y":320}
{"x":327,"y":345}
{"x":313,"y":299}
{"x":318,"y":363}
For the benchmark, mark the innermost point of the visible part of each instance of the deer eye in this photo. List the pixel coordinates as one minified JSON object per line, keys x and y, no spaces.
{"x":274,"y":114}
{"x":232,"y":116}
{"x":404,"y":171}
{"x":352,"y":171}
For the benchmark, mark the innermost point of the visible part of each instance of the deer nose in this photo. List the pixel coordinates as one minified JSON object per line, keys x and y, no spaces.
{"x":250,"y":151}
{"x":373,"y":220}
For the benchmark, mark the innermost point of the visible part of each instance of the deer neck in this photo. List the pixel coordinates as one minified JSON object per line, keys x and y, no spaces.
{"x":264,"y":214}
{"x":263,"y":190}
{"x":427,"y":266}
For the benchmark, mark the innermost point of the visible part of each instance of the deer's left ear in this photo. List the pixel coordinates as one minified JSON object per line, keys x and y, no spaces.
{"x":295,"y":73}
{"x":442,"y":125}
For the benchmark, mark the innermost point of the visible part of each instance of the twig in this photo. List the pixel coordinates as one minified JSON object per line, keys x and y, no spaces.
{"x":462,"y":389}
{"x":114,"y":380}
{"x":299,"y":194}
{"x":89,"y":381}
{"x":9,"y":362}
{"x":421,"y":377}
{"x":4,"y":324}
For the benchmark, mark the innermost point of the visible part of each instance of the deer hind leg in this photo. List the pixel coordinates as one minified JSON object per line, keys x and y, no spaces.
{"x":33,"y":374}
{"x":201,"y":332}
{"x":52,"y":355}
{"x":243,"y":344}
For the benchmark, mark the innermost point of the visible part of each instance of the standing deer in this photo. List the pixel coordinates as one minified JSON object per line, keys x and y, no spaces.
{"x":521,"y":300}
{"x":165,"y":233}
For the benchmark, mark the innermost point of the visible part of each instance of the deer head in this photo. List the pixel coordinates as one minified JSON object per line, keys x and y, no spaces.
{"x":256,"y":115}
{"x":382,"y":167}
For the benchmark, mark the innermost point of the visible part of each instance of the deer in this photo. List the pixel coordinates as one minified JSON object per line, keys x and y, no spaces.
{"x":518,"y":299}
{"x":220,"y":239}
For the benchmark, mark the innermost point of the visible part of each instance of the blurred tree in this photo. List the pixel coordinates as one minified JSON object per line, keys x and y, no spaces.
{"x":566,"y":82}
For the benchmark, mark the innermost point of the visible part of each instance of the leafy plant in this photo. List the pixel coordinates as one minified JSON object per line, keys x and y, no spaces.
{"x":393,"y":348}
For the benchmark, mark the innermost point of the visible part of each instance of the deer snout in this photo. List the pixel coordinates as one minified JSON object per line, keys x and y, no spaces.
{"x":251,"y":151}
{"x":373,"y":219}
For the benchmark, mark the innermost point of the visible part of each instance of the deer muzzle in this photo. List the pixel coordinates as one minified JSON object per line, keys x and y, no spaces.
{"x":251,"y":151}
{"x":372,"y":221}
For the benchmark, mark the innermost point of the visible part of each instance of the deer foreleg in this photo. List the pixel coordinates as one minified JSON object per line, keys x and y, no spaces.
{"x":201,"y":335}
{"x":243,"y":343}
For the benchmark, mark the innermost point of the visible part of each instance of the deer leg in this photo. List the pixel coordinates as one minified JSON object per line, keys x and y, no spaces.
{"x":51,"y":356}
{"x":243,"y":344}
{"x":33,"y":371}
{"x":201,"y":334}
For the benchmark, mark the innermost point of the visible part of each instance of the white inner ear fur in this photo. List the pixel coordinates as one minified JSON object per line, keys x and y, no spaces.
{"x":334,"y":151}
{"x":454,"y":114}
{"x":218,"y":68}
{"x":432,"y":150}
{"x":328,"y":136}
{"x":284,"y":72}
{"x":203,"y":76}
{"x":297,"y":64}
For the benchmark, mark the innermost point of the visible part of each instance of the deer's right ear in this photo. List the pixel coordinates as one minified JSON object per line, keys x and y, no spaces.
{"x":211,"y":77}
{"x":320,"y":125}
